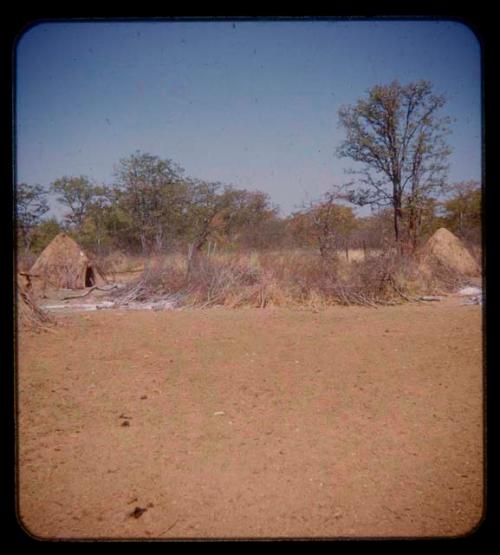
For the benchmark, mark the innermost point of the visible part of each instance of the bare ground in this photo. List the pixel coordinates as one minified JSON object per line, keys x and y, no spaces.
{"x":253,"y":423}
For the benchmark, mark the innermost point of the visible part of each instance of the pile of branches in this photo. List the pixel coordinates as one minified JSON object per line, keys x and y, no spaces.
{"x":29,"y":315}
{"x":385,"y":278}
{"x":206,"y":282}
{"x":213,"y":281}
{"x":152,"y":286}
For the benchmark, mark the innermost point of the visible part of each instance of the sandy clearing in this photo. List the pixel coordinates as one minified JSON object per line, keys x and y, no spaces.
{"x":343,"y":422}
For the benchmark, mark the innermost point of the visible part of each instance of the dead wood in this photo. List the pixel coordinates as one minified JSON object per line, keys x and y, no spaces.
{"x":114,"y":286}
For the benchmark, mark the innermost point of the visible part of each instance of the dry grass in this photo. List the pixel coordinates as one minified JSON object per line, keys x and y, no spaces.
{"x":285,"y":278}
{"x":25,"y":260}
{"x":29,"y":315}
{"x":118,"y":262}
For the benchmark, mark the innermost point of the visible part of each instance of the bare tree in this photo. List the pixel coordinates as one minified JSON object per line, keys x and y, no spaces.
{"x":398,"y":137}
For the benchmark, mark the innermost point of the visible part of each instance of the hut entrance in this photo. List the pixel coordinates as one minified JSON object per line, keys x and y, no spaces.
{"x":89,"y":277}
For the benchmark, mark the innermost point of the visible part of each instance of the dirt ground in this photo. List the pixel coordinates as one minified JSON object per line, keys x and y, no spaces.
{"x":253,"y":423}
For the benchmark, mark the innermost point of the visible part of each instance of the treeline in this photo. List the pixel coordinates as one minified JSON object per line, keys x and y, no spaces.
{"x":395,"y":139}
{"x":153,"y":207}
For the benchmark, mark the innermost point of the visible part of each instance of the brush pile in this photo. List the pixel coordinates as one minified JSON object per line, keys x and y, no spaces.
{"x":29,"y":315}
{"x":299,"y":278}
{"x":258,"y":281}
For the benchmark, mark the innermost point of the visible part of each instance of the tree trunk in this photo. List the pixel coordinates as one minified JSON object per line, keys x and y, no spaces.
{"x":144,"y":243}
{"x":414,"y":226}
{"x":397,"y":223}
{"x":159,"y":240}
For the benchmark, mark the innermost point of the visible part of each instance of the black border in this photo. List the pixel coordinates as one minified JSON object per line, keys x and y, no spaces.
{"x":12,"y":27}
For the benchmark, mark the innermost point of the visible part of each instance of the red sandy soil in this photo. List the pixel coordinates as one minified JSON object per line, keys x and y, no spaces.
{"x":253,"y":423}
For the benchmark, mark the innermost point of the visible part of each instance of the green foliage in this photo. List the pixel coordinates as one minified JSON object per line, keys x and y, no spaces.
{"x":152,"y":192}
{"x":31,"y":205}
{"x":44,"y":233}
{"x":462,"y":211}
{"x":152,"y":206}
{"x":77,"y":194}
{"x":221,"y":213}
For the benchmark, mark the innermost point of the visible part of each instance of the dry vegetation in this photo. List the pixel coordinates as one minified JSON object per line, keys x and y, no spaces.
{"x":29,"y":315}
{"x":287,"y":278}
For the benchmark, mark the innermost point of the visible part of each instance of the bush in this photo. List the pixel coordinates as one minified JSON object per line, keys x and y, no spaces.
{"x":296,"y":277}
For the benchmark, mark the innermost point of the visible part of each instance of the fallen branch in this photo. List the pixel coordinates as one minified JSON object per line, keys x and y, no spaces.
{"x":393,"y":285}
{"x":114,"y":286}
{"x":364,"y":300}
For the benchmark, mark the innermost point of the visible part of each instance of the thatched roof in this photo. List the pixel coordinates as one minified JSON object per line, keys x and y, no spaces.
{"x":63,"y":264}
{"x":447,"y":250}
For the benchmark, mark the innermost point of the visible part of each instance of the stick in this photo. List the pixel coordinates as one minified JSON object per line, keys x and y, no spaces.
{"x":398,"y":291}
{"x":80,"y":296}
{"x":90,"y":291}
{"x":170,"y":527}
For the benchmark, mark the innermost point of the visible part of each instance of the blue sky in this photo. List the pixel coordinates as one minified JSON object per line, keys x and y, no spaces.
{"x":253,"y":104}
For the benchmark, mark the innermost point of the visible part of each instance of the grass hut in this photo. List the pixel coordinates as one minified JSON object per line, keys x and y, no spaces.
{"x":64,"y":265}
{"x":446,"y":250}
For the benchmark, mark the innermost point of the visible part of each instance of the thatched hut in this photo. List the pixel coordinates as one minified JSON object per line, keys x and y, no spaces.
{"x":446,"y":250}
{"x":64,"y":265}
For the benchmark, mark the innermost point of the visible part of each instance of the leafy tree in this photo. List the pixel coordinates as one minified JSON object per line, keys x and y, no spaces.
{"x":462,"y":211}
{"x":223,"y":214}
{"x":94,"y":232}
{"x":31,"y":205}
{"x":43,"y":234}
{"x":77,"y":194}
{"x":153,"y":192}
{"x":210,"y":212}
{"x":398,"y":137}
{"x":258,"y":224}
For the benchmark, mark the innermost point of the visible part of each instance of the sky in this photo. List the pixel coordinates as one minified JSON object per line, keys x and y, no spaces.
{"x":253,"y":104}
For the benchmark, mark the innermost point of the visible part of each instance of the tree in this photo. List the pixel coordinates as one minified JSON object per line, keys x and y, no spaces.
{"x":374,"y":231}
{"x":326,"y":224}
{"x":31,"y":205}
{"x":211,"y":211}
{"x":257,"y":225}
{"x":462,"y":211}
{"x":398,"y":137}
{"x":95,"y":228}
{"x":43,"y":234}
{"x":77,"y":194}
{"x":153,"y":192}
